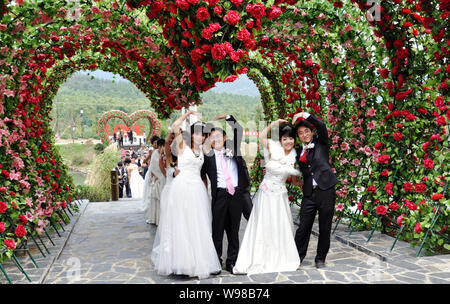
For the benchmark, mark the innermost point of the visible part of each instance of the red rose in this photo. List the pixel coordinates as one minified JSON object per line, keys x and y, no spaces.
{"x":388,"y":188}
{"x":308,"y":62}
{"x":236,"y":2}
{"x":249,"y":24}
{"x":257,"y":10}
{"x":182,"y":4}
{"x":400,"y":219}
{"x":218,"y":10}
{"x":243,"y":35}
{"x":417,"y":228}
{"x":365,"y":212}
{"x":381,"y":210}
{"x":393,"y":206}
{"x":378,"y":145}
{"x":20,"y":231}
{"x":398,"y":136}
{"x":2,"y":227}
{"x":230,"y":78}
{"x":420,"y":188}
{"x":384,"y":159}
{"x":10,"y":244}
{"x":275,"y":12}
{"x":232,"y":17}
{"x":207,"y":33}
{"x":202,"y":14}
{"x":23,"y":219}
{"x":408,"y":187}
{"x":384,"y":73}
{"x":385,"y":173}
{"x":372,"y":189}
{"x":218,"y":51}
{"x":428,"y":163}
{"x":440,"y":120}
{"x":437,"y":196}
{"x":3,"y":207}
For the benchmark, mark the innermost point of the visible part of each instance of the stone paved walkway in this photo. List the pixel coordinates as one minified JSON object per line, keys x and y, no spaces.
{"x":111,"y":243}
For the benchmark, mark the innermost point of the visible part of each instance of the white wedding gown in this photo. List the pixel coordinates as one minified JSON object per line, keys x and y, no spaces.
{"x":136,"y":182}
{"x":183,"y":242}
{"x":268,"y":244}
{"x":154,"y":192}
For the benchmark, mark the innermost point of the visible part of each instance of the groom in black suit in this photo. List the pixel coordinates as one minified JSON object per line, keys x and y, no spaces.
{"x":319,"y":194}
{"x":230,"y":184}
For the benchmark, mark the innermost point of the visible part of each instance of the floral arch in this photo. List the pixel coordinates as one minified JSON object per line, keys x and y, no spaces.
{"x":376,"y":72}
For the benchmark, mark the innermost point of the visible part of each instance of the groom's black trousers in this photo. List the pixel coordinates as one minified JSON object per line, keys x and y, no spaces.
{"x":321,"y":201}
{"x":226,"y":214}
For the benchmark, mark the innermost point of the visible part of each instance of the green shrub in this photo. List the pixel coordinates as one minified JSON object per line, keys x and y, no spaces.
{"x":93,"y":194}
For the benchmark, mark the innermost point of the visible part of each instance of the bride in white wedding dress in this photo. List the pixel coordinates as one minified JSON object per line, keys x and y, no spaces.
{"x":135,"y":179}
{"x":268,"y":244}
{"x":185,"y":245}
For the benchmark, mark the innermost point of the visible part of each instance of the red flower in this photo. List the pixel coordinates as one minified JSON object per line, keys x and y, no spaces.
{"x":384,"y":159}
{"x":372,"y":189}
{"x":308,"y":62}
{"x":388,"y":188}
{"x":393,"y":206}
{"x":236,"y":2}
{"x":417,"y":228}
{"x":3,"y":207}
{"x":400,"y":219}
{"x":10,"y":244}
{"x":202,"y":14}
{"x":182,"y":4}
{"x":381,"y":210}
{"x":275,"y":12}
{"x":440,"y":120}
{"x":2,"y":227}
{"x":378,"y":145}
{"x":23,"y":219}
{"x":398,"y":136}
{"x":218,"y":10}
{"x":437,"y":196}
{"x":243,"y":35}
{"x":384,"y":73}
{"x":428,"y":163}
{"x":420,"y":188}
{"x":232,"y":17}
{"x":20,"y":231}
{"x":230,"y":78}
{"x":218,"y":51}
{"x":408,"y":187}
{"x":385,"y":173}
{"x":257,"y":10}
{"x":365,"y":212}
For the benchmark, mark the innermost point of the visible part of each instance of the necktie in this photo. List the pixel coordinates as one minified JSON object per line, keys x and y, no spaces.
{"x":228,"y":180}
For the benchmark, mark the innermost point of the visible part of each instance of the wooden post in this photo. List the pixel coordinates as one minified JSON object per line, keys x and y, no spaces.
{"x":114,"y":185}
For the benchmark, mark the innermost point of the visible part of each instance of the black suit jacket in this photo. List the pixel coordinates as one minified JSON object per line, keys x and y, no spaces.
{"x":318,"y":166}
{"x":209,"y":167}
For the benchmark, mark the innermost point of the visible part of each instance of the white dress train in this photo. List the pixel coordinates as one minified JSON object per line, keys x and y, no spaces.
{"x":184,"y":242}
{"x":268,"y":244}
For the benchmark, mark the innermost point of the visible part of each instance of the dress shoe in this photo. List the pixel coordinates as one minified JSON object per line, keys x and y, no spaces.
{"x":320,"y":264}
{"x":229,"y":268}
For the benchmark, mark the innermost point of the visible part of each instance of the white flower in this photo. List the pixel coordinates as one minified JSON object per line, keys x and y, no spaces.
{"x":228,"y":152}
{"x":309,"y":146}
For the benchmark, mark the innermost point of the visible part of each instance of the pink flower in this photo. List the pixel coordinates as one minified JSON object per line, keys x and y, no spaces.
{"x":340,"y":207}
{"x":356,"y":162}
{"x":335,"y":60}
{"x":344,"y":146}
{"x":370,"y":112}
{"x":2,"y":227}
{"x":373,"y":90}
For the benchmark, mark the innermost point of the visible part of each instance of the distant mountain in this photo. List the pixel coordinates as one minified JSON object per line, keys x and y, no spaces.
{"x":241,"y":86}
{"x":93,"y":97}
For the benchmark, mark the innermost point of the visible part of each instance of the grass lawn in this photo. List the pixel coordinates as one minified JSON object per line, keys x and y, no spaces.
{"x":77,"y":155}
